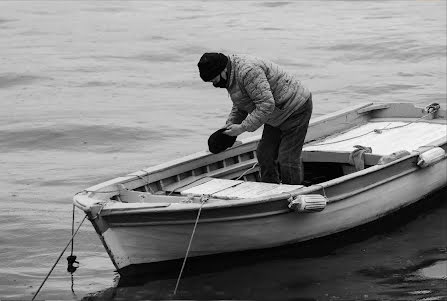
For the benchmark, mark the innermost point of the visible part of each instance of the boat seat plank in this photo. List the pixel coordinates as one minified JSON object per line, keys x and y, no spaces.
{"x":231,"y":189}
{"x":336,"y":157}
{"x":211,"y":187}
{"x":373,"y":107}
{"x":255,"y":189}
{"x":218,"y":173}
{"x":187,"y":183}
{"x":390,"y":137}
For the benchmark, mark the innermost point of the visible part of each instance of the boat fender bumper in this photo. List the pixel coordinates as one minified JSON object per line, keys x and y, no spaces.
{"x":308,"y":203}
{"x":431,"y":157}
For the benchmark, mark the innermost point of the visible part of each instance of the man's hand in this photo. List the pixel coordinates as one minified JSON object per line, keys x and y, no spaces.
{"x":234,"y":130}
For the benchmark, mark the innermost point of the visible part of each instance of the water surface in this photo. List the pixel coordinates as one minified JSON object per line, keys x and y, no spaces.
{"x":94,"y":90}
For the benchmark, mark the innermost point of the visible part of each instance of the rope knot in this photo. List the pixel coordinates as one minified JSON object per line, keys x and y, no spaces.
{"x":71,"y":261}
{"x":204,"y":198}
{"x":432,"y":108}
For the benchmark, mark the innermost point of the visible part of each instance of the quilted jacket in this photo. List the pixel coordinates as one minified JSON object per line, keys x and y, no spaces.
{"x":262,"y":92}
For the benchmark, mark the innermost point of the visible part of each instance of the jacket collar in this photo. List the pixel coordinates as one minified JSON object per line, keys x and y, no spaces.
{"x":230,"y":71}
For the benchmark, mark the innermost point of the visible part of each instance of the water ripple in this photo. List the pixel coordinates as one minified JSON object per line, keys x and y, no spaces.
{"x":95,"y":138}
{"x":2,"y":21}
{"x":379,"y":90}
{"x":274,"y":4}
{"x":13,"y":79}
{"x":408,"y":50}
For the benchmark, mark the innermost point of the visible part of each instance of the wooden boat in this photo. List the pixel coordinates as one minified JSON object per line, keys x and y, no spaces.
{"x":217,"y":202}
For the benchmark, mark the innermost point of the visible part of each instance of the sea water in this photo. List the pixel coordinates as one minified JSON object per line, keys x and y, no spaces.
{"x":91,"y":90}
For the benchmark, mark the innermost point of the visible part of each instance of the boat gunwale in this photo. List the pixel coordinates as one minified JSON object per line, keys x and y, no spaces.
{"x":93,"y":194}
{"x":268,"y":213}
{"x":278,"y":197}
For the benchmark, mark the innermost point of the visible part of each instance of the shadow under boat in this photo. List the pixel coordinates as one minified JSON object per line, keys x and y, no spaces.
{"x":135,"y":275}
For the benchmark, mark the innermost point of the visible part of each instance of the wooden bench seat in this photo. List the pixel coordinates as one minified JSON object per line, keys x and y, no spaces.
{"x":336,"y":157}
{"x":231,"y":189}
{"x":228,"y":172}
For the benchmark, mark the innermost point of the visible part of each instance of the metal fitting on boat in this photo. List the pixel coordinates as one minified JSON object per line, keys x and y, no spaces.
{"x":308,"y":203}
{"x":432,"y":108}
{"x":393,"y":157}
{"x":431,"y":157}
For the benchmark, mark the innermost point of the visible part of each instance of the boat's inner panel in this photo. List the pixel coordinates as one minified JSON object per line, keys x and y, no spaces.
{"x":323,"y":160}
{"x":241,"y":179}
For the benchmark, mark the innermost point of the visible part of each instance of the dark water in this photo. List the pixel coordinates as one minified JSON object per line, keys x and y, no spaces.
{"x":93,"y":90}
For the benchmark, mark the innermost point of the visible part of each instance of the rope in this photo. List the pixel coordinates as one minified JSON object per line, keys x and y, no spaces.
{"x":324,"y":192}
{"x":71,"y":260}
{"x":245,"y":172}
{"x":147,"y":182}
{"x":202,"y":200}
{"x":62,"y":253}
{"x":72,"y":285}
{"x":198,"y":179}
{"x":72,"y":229}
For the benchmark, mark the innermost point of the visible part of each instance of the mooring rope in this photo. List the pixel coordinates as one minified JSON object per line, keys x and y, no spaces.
{"x":72,"y":228}
{"x":62,"y":253}
{"x":203,"y":199}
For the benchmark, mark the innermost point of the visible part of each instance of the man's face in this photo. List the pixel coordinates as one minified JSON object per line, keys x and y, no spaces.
{"x":216,"y":80}
{"x":220,"y":81}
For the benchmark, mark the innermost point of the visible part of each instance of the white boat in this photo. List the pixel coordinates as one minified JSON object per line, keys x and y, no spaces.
{"x":361,"y":164}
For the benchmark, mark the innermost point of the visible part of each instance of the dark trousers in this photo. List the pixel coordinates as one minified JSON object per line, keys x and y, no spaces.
{"x":279,"y":151}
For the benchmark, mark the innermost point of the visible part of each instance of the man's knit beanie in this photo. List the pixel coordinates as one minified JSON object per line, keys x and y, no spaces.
{"x":211,"y":64}
{"x":218,"y":141}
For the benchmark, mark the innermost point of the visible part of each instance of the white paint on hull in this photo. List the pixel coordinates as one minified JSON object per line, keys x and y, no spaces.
{"x":146,"y":244}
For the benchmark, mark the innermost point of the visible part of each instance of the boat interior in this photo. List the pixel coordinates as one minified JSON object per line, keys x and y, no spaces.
{"x":235,"y":174}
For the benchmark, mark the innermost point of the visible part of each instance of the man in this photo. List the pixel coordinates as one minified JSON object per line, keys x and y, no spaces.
{"x":264,"y":94}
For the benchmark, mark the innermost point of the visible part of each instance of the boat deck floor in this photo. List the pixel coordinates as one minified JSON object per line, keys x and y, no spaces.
{"x":383,"y":137}
{"x":235,"y":189}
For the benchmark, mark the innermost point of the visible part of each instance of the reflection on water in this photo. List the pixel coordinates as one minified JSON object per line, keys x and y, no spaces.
{"x":436,"y":271}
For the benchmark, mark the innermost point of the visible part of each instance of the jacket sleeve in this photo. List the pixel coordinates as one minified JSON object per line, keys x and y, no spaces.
{"x":258,"y":89}
{"x":236,"y":116}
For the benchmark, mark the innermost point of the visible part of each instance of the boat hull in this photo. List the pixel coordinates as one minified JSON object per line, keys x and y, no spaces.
{"x":152,"y":243}
{"x":364,"y":162}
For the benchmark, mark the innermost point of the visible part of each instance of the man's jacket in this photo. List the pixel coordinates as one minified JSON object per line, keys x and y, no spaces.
{"x":262,"y":92}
